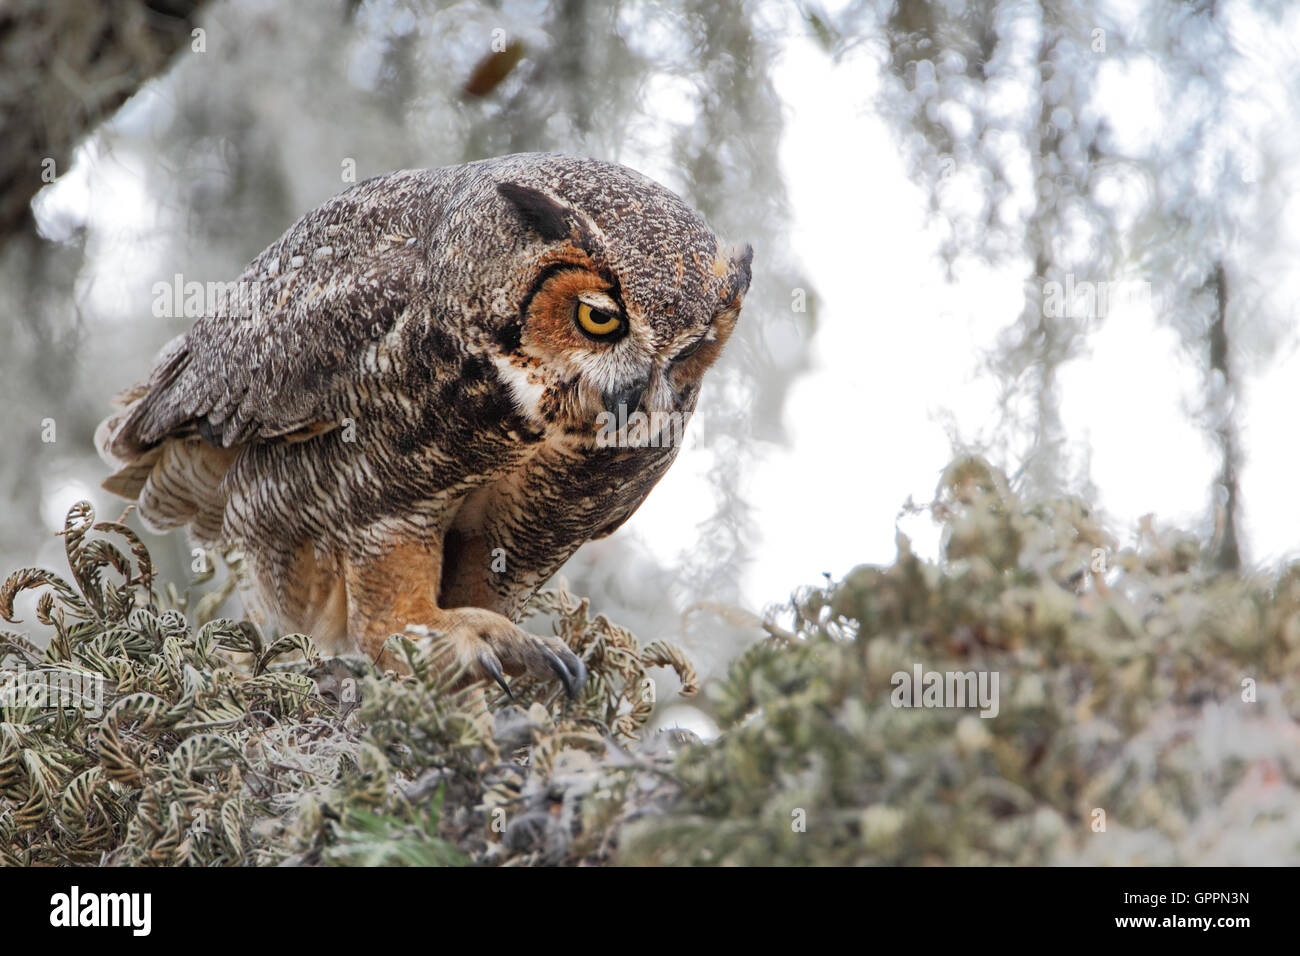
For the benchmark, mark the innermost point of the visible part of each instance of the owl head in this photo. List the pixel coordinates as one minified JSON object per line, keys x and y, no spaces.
{"x":626,"y":296}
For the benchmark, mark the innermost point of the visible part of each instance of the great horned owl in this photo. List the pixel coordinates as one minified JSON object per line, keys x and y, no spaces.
{"x":418,"y":402}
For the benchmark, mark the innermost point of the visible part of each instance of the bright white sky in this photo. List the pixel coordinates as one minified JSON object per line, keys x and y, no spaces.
{"x":896,"y":345}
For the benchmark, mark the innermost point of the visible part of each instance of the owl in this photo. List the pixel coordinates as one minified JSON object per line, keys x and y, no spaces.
{"x":417,"y":403}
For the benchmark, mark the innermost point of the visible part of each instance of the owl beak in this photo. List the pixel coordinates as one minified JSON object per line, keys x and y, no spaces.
{"x":628,"y":398}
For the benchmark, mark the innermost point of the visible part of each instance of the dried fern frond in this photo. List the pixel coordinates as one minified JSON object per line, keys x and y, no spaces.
{"x":211,"y":747}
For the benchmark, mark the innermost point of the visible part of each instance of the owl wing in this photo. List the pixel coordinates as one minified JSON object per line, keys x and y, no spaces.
{"x":283,"y":354}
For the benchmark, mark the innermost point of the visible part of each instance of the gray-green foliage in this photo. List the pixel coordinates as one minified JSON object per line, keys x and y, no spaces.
{"x":1137,"y":689}
{"x":1121,"y":692}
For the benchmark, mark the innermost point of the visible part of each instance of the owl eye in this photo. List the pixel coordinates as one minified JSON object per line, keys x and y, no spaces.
{"x":596,"y":323}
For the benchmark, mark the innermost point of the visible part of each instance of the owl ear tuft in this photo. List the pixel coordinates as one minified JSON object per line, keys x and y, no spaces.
{"x":539,"y":212}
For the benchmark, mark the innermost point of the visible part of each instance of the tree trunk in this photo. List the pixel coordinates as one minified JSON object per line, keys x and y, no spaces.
{"x":68,"y":66}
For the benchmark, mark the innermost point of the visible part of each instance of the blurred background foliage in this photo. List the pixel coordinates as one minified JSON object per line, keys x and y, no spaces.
{"x":993,"y":105}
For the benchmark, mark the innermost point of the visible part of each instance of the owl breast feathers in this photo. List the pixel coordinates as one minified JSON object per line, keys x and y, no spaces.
{"x":419,"y":401}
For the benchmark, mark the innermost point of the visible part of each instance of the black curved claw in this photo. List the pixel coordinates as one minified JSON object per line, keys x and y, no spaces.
{"x":488,"y":661}
{"x":569,"y":669}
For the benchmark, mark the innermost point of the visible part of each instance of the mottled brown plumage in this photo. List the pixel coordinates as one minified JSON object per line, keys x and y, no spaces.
{"x":398,"y":416}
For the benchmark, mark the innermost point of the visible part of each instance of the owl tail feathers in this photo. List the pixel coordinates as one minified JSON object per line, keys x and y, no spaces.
{"x":174,"y":483}
{"x":131,"y":472}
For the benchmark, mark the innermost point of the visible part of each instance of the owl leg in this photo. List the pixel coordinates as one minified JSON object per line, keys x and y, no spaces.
{"x":399,"y":591}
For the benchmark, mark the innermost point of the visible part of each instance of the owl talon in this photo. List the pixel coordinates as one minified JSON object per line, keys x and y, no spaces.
{"x":488,"y":661}
{"x":483,"y":644}
{"x":571,"y":672}
{"x":543,"y":658}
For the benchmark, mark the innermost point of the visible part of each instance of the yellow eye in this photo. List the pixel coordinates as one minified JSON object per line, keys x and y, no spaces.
{"x":596,"y":323}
